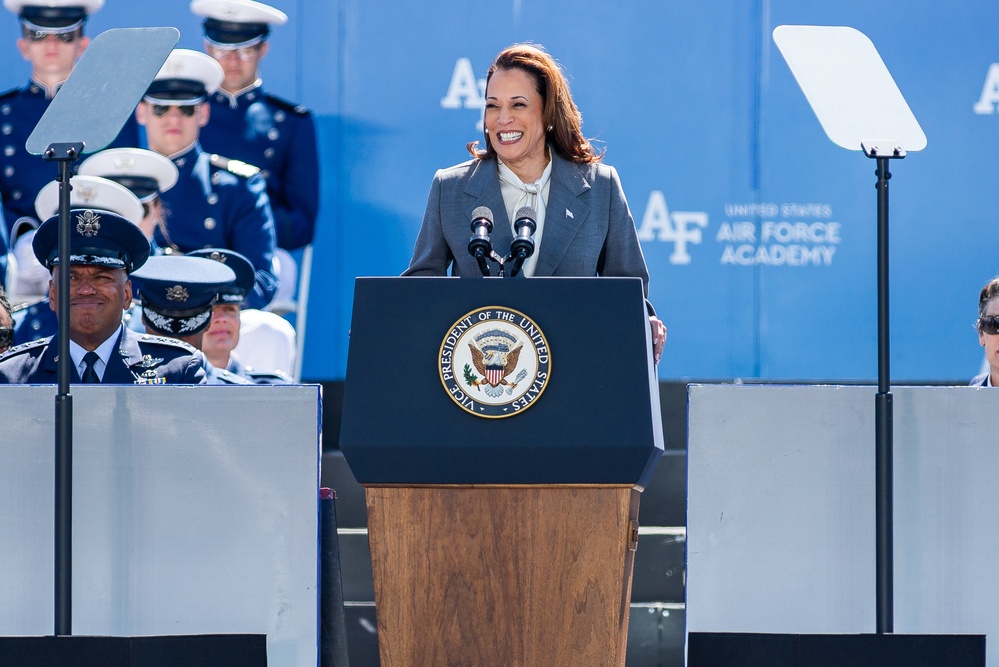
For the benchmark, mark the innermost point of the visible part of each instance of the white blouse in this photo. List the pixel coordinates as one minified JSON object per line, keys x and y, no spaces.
{"x":516,"y":193}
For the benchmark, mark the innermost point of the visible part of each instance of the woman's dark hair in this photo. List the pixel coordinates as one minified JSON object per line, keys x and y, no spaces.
{"x":559,"y":112}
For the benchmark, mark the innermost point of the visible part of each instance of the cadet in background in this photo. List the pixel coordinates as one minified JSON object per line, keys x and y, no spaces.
{"x":217,"y":202}
{"x":177,"y":295}
{"x":257,"y":127}
{"x":51,"y":40}
{"x":223,"y":334}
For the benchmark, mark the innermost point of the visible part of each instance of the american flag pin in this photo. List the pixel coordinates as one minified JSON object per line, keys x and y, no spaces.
{"x":568,"y":213}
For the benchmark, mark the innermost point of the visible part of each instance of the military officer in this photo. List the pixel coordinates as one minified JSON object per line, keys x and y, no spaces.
{"x":257,"y":127}
{"x":104,"y":249}
{"x":178,"y":294}
{"x":223,"y":332}
{"x":51,"y":41}
{"x":217,"y":202}
{"x":38,"y":320}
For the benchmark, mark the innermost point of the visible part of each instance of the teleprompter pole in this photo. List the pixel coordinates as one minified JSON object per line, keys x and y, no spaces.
{"x":883,"y":441}
{"x":64,"y":154}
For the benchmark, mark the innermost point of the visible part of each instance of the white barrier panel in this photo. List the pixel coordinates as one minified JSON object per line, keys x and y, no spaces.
{"x":195,"y":510}
{"x":781,"y":516}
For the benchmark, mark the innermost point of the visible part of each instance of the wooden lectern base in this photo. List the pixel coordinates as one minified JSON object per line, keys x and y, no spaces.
{"x":502,"y":575}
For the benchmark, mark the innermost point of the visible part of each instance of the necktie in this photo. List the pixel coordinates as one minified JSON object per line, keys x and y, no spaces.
{"x":89,"y":374}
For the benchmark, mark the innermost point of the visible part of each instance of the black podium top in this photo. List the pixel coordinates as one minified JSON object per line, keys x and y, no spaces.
{"x":410,"y":417}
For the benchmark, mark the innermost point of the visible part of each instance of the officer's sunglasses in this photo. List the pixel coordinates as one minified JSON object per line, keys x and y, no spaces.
{"x":6,"y":338}
{"x":40,"y":35}
{"x":187,"y":110}
{"x":989,"y":324}
{"x":242,"y":53}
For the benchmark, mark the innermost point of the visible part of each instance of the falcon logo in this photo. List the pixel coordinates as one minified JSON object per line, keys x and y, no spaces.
{"x":494,"y":362}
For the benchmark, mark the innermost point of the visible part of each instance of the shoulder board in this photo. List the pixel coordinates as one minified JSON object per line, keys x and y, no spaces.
{"x":285,"y":105}
{"x":9,"y":93}
{"x":163,"y":340}
{"x":237,"y":167}
{"x":24,"y":305}
{"x":227,"y":377}
{"x":25,"y":347}
{"x":269,"y":376}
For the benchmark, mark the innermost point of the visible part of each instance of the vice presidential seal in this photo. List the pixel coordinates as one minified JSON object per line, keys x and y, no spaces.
{"x":494,"y":362}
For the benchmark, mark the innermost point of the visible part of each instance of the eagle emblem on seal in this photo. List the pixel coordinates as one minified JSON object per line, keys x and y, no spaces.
{"x":495,"y":354}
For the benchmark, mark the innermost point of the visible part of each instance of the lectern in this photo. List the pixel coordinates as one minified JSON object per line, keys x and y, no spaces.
{"x":503,"y":431}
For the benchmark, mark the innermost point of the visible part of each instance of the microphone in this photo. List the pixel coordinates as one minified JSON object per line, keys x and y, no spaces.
{"x":480,"y":245}
{"x":524,"y":226}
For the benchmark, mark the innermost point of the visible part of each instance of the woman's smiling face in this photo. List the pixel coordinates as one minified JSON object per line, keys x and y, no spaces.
{"x":514,"y":120}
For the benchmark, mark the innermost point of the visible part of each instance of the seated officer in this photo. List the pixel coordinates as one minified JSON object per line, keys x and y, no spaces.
{"x":38,"y":320}
{"x":217,"y":202}
{"x":104,"y":249}
{"x":257,"y":127}
{"x":177,"y":295}
{"x":222,"y":335}
{"x":145,"y":173}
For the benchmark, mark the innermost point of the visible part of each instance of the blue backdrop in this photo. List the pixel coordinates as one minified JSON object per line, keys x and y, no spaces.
{"x":759,"y":232}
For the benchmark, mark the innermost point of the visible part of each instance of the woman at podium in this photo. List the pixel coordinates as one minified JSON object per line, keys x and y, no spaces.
{"x":535,"y":156}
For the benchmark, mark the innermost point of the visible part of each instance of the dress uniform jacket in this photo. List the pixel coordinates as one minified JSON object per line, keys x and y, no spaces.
{"x":279,"y":138}
{"x":36,"y":321}
{"x":213,"y":207}
{"x":141,"y":359}
{"x":22,"y":174}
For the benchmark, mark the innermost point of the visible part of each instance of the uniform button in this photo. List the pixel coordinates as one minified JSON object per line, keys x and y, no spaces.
{"x":209,"y":223}
{"x":16,"y":194}
{"x":278,"y":116}
{"x":213,"y":198}
{"x":9,"y":150}
{"x":251,"y":96}
{"x":5,"y":109}
{"x":273,"y":134}
{"x":268,"y":153}
{"x":36,"y":325}
{"x":7,"y":128}
{"x":8,"y":171}
{"x":265,"y":173}
{"x":34,"y":88}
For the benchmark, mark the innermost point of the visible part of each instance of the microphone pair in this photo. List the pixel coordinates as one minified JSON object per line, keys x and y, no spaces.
{"x":480,"y":244}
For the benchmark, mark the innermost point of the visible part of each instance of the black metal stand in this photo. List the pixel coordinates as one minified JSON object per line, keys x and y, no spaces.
{"x":883,"y":465}
{"x":64,"y":154}
{"x":332,"y":620}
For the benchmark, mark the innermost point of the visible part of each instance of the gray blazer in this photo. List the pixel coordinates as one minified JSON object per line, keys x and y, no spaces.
{"x":589,"y":230}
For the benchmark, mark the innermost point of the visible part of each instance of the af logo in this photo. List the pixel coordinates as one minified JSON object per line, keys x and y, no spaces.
{"x":494,"y":362}
{"x":680,"y":227}
{"x":465,"y":90}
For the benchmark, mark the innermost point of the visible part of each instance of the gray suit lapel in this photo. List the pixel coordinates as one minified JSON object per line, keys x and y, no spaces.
{"x":484,"y":189}
{"x":564,"y":214}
